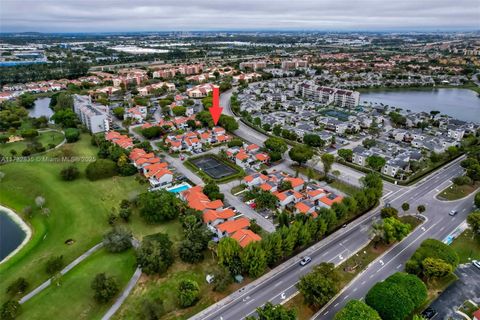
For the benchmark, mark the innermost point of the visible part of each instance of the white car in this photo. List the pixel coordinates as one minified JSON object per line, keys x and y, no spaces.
{"x":306,"y":260}
{"x":453,"y":212}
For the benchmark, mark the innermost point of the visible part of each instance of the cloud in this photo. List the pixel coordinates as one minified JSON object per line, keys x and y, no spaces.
{"x":168,"y":15}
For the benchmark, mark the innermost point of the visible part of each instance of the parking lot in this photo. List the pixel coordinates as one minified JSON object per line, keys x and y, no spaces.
{"x":466,"y":287}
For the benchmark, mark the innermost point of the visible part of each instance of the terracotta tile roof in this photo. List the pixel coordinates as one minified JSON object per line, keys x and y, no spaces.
{"x":241,"y":156}
{"x":161,"y":173}
{"x":331,"y":199}
{"x":196,"y":199}
{"x":304,"y":206}
{"x":261,"y":157}
{"x":245,"y":237}
{"x":234,"y":225}
{"x":296,"y":182}
{"x":212,"y":215}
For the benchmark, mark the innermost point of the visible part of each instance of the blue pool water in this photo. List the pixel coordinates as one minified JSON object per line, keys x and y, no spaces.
{"x":179,"y":188}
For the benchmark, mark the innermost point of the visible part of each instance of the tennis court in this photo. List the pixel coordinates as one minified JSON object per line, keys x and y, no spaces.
{"x":213,"y":167}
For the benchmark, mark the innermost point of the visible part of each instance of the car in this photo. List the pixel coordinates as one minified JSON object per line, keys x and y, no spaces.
{"x":429,"y":313}
{"x":344,"y":226}
{"x":453,"y":212}
{"x":305,"y":260}
{"x":476,"y":263}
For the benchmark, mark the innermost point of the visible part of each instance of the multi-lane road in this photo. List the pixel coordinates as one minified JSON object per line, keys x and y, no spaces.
{"x":280,"y":284}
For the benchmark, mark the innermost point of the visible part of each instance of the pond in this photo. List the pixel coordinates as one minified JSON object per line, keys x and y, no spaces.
{"x":41,"y":108}
{"x":462,"y":104}
{"x":11,"y":234}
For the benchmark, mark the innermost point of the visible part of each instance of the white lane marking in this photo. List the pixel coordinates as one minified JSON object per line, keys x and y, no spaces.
{"x":345,"y":298}
{"x":336,"y":304}
{"x":355,"y":289}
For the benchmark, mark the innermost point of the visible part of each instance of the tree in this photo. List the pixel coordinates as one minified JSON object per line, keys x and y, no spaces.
{"x":104,"y":287}
{"x":117,"y":240}
{"x":66,"y":118}
{"x":376,"y":162}
{"x":395,"y":230}
{"x":54,"y":265}
{"x":212,"y":191}
{"x":221,"y":279}
{"x":274,"y":312}
{"x":155,"y":254}
{"x":369,"y":143}
{"x":70,"y":173}
{"x":19,"y":286}
{"x":300,"y":153}
{"x":10,"y":310}
{"x":158,"y":206}
{"x":26,"y":100}
{"x":405,"y":206}
{"x":72,"y":135}
{"x":101,"y":169}
{"x":320,"y":285}
{"x":346,"y":154}
{"x":119,"y":112}
{"x":197,"y":237}
{"x":397,"y":296}
{"x":327,"y":160}
{"x":152,"y":132}
{"x":179,"y":111}
{"x":285,"y":185}
{"x":276,"y":145}
{"x":313,"y":140}
{"x":228,"y":252}
{"x":228,"y":123}
{"x":266,"y":200}
{"x":421,"y":209}
{"x":436,"y":268}
{"x":431,"y":248}
{"x":474,"y":172}
{"x":253,"y":259}
{"x":188,"y":293}
{"x":473,"y":220}
{"x":358,"y":310}
{"x":388,"y":212}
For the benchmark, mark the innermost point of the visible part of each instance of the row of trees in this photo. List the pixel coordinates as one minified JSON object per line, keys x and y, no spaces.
{"x":291,"y":236}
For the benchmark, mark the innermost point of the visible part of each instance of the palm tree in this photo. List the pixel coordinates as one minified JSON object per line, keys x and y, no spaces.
{"x":376,"y":233}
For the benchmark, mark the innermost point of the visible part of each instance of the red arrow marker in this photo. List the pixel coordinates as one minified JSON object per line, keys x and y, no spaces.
{"x":216,"y":110}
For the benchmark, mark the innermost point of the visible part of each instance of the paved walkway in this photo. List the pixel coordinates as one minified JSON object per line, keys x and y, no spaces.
{"x":69,"y":267}
{"x":118,"y":303}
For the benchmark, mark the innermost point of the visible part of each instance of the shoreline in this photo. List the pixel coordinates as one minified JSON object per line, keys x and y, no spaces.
{"x":23,"y":225}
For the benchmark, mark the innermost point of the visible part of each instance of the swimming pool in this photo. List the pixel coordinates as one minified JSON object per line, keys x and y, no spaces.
{"x":179,"y":188}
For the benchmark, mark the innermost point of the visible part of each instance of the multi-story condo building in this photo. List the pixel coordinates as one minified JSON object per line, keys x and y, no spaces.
{"x":325,"y":95}
{"x":294,"y":64}
{"x":253,"y":65}
{"x":93,"y":116}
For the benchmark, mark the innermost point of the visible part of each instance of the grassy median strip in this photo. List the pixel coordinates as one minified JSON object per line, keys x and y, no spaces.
{"x":455,"y":192}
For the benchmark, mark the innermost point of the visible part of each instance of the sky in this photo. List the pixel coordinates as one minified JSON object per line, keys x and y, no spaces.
{"x":187,"y":15}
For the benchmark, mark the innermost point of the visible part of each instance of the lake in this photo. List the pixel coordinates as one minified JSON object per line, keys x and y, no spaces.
{"x":41,"y":108}
{"x":462,"y":104}
{"x":11,"y":235}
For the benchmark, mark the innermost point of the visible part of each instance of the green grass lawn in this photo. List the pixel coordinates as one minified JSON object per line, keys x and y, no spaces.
{"x":45,"y":138}
{"x":165,"y":288}
{"x":455,"y":192}
{"x":79,"y":211}
{"x":73,"y":299}
{"x":345,"y":188}
{"x":467,"y":247}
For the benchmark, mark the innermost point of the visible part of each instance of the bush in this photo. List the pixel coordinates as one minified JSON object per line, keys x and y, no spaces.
{"x":431,"y":248}
{"x":155,"y":254}
{"x":158,"y":206}
{"x":188,"y":292}
{"x":117,"y":240}
{"x":54,"y":265}
{"x":388,"y":212}
{"x":152,"y":132}
{"x":235,"y":143}
{"x":462,"y":180}
{"x":72,"y":135}
{"x":10,"y":310}
{"x":29,"y":133}
{"x":101,"y":169}
{"x":105,"y":288}
{"x":127,"y":170}
{"x":357,"y":310}
{"x":19,"y":286}
{"x":70,"y":173}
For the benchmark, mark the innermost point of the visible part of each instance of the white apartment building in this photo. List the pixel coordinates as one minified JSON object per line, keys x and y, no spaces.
{"x":325,"y":95}
{"x":93,"y":116}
